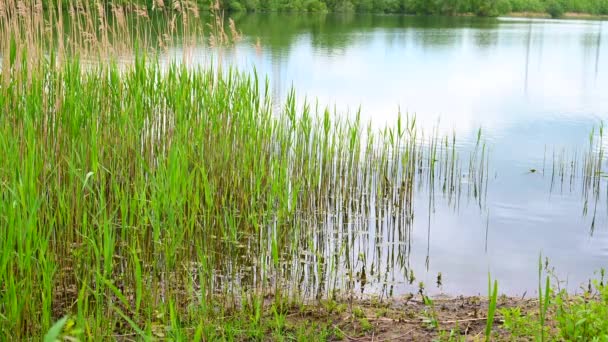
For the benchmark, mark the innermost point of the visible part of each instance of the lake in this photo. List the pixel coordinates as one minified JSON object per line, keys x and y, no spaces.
{"x":535,"y":87}
{"x":536,"y":90}
{"x":173,"y":174}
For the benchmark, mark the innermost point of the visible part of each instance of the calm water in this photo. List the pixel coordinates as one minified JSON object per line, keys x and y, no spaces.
{"x":536,"y":88}
{"x":533,"y":86}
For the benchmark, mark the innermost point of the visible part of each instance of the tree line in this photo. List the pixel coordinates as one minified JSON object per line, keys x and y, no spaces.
{"x":487,"y":8}
{"x":555,"y":8}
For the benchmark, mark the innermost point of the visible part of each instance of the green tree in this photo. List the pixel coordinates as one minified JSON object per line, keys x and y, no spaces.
{"x":485,"y":8}
{"x":555,"y":9}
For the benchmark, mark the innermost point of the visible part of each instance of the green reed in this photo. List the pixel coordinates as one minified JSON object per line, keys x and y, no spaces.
{"x":144,"y":191}
{"x":153,"y":201}
{"x":582,"y":172}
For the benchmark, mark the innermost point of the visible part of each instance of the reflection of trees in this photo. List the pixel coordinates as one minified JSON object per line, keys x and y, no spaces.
{"x":528,"y":43}
{"x":591,"y":43}
{"x":278,"y":32}
{"x":598,"y":48}
{"x":485,"y":38}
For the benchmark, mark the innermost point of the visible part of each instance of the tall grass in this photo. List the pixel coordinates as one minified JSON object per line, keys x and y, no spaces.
{"x":583,"y":172}
{"x":148,"y":201}
{"x":492,"y":300}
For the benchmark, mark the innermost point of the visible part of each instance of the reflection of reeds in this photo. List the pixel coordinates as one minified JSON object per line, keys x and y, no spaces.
{"x":136,"y":192}
{"x":582,"y":172}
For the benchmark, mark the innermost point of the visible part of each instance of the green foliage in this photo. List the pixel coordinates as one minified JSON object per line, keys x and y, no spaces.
{"x":583,"y":318}
{"x":543,"y":300}
{"x":55,"y":332}
{"x":503,"y":7}
{"x":492,"y":297}
{"x":555,"y":9}
{"x":430,"y":312}
{"x":527,"y":5}
{"x":235,"y":6}
{"x":101,"y":196}
{"x":392,"y":6}
{"x":251,"y":5}
{"x":363,"y":5}
{"x":365,"y":324}
{"x":573,"y":317}
{"x":419,"y":7}
{"x":603,"y":7}
{"x":454,"y":335}
{"x":486,"y":8}
{"x":120,"y":178}
{"x":316,"y":6}
{"x":344,"y":6}
{"x":520,"y":325}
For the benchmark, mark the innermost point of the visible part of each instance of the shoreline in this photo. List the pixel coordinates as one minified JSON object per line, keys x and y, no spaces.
{"x":567,"y":15}
{"x":406,"y":319}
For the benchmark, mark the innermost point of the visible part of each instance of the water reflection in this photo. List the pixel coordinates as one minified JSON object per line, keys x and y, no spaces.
{"x":535,"y":87}
{"x":597,"y":49}
{"x":471,"y":66}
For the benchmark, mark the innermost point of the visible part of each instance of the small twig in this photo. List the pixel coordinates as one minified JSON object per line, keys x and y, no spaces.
{"x":469,"y":320}
{"x":396,"y":337}
{"x":347,"y":336}
{"x":386,"y":319}
{"x":123,"y":335}
{"x":440,"y":322}
{"x":478,"y":335}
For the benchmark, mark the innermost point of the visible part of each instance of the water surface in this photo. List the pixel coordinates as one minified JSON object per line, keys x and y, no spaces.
{"x":536,"y":88}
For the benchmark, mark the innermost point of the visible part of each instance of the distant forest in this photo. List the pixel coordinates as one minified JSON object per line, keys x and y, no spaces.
{"x":555,"y":8}
{"x":486,"y":8}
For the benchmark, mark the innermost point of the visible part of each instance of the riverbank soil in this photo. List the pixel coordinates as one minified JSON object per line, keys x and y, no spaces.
{"x":455,"y":319}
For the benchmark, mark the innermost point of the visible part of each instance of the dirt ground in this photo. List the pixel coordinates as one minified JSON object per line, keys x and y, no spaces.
{"x":411,"y":319}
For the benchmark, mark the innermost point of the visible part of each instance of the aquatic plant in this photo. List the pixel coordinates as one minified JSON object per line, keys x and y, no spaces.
{"x":147,"y":199}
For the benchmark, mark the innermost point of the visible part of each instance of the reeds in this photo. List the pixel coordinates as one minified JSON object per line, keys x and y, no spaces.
{"x":147,"y":200}
{"x":581,"y":172}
